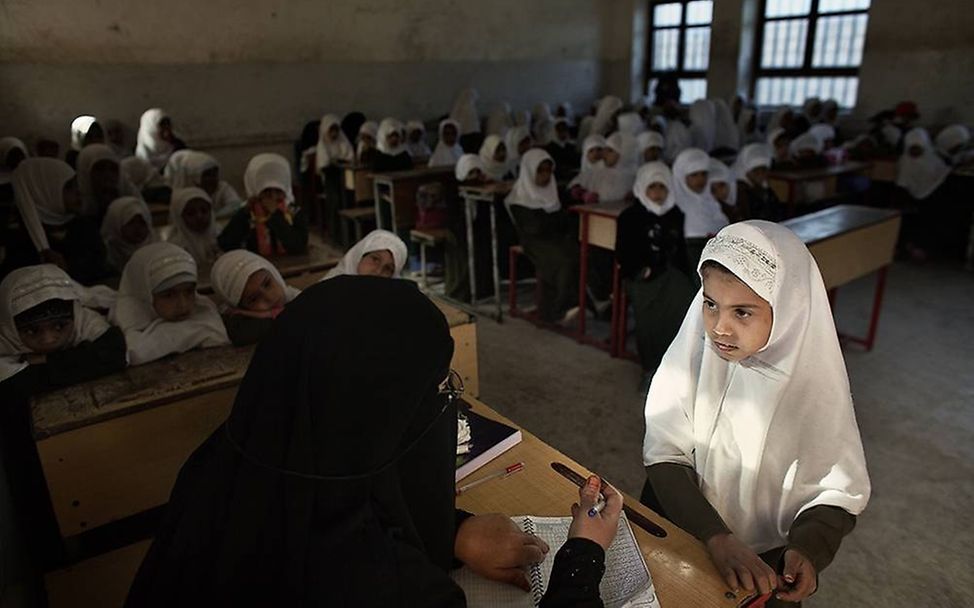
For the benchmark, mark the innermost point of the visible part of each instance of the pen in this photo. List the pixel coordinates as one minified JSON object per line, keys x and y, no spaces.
{"x":514,"y":468}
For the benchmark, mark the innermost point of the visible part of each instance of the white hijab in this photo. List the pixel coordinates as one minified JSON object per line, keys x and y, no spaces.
{"x":495,"y":170}
{"x":499,"y":119}
{"x":232,"y":269}
{"x":8,"y":145}
{"x":79,"y":130}
{"x":202,"y":246}
{"x":678,"y":139}
{"x":119,"y":213}
{"x":703,"y":214}
{"x":727,"y":135}
{"x":157,"y":267}
{"x":328,"y":152}
{"x":444,"y":155}
{"x":775,"y":434}
{"x":587,"y":175}
{"x":649,"y":139}
{"x":824,"y":132}
{"x":185,"y":168}
{"x":542,"y":123}
{"x":607,"y":108}
{"x":370,"y":128}
{"x":268,"y":170}
{"x":721,"y":174}
{"x":39,"y":195}
{"x":150,"y":146}
{"x":466,"y":164}
{"x":806,"y":141}
{"x":750,"y":157}
{"x":654,"y":173}
{"x":703,"y":124}
{"x":614,"y":183}
{"x":528,"y":194}
{"x":951,"y":137}
{"x":140,"y":173}
{"x":377,"y":240}
{"x":465,"y":111}
{"x":924,"y":174}
{"x":386,"y":128}
{"x":512,"y":138}
{"x":746,"y":136}
{"x":419,"y":149}
{"x":25,"y":288}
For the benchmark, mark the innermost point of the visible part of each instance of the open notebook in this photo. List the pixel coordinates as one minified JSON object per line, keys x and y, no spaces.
{"x":626,"y":581}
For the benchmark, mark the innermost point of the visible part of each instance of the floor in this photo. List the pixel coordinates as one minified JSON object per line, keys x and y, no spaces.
{"x":914,"y":396}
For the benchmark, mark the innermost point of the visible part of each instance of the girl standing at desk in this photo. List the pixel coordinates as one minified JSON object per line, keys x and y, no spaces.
{"x":751,"y":438}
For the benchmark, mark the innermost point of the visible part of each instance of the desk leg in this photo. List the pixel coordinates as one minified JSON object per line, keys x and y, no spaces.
{"x":582,"y":274}
{"x":392,"y":208}
{"x":376,"y":190}
{"x":471,"y":263}
{"x":614,"y":330}
{"x":495,"y":268}
{"x":877,"y":306}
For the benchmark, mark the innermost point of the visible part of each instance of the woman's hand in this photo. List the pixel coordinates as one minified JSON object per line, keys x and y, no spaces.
{"x":600,"y":527}
{"x":494,"y":547}
{"x":740,"y":565}
{"x":798,"y":579}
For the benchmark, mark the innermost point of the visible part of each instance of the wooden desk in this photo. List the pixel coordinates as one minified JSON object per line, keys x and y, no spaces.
{"x":319,"y":258}
{"x":358,"y":184}
{"x":491,"y":195}
{"x":785,"y":183}
{"x":850,"y":242}
{"x":397,"y":191}
{"x":682,"y":571}
{"x":112,"y":447}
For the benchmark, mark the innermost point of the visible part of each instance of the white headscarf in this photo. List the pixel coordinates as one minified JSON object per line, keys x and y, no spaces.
{"x":512,"y":138}
{"x":495,"y":170}
{"x":185,"y":168}
{"x":526,"y":193}
{"x":232,"y":269}
{"x":607,"y":108}
{"x":465,"y":111}
{"x":79,"y":129}
{"x":8,"y":145}
{"x":150,"y":146}
{"x":327,"y":152}
{"x":678,"y":139}
{"x":750,"y":157}
{"x":774,"y":435}
{"x":377,"y":240}
{"x":202,"y":246}
{"x":654,"y":173}
{"x":587,"y":175}
{"x":951,"y":137}
{"x":419,"y":149}
{"x":614,"y":183}
{"x":39,"y":195}
{"x":157,"y":267}
{"x":542,"y":123}
{"x":268,"y":170}
{"x":806,"y":141}
{"x":29,"y":286}
{"x":444,"y":155}
{"x":720,"y":173}
{"x":744,"y":135}
{"x":466,"y":164}
{"x":119,"y":213}
{"x":703,"y":124}
{"x":386,"y":128}
{"x":370,"y":128}
{"x":649,"y":139}
{"x":774,"y":134}
{"x":727,"y":135}
{"x":499,"y":119}
{"x":140,"y":173}
{"x":924,"y":174}
{"x":824,"y":132}
{"x":703,"y":214}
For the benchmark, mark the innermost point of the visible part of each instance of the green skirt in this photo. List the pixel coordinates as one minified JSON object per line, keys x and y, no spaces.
{"x":660,"y":305}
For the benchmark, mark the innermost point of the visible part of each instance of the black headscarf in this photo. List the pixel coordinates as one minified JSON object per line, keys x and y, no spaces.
{"x":351,"y":124}
{"x":331,"y":483}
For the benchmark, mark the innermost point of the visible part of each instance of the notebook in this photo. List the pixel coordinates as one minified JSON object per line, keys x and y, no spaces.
{"x":626,"y":582}
{"x":488,"y":440}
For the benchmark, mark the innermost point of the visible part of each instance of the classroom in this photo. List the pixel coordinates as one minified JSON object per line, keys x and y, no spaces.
{"x":559,"y":303}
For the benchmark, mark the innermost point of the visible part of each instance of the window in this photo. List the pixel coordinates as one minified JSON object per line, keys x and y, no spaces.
{"x":810,"y":48}
{"x":679,"y":44}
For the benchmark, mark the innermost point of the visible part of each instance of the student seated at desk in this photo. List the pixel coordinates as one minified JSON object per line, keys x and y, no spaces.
{"x":755,"y":198}
{"x":144,"y":178}
{"x":380,"y":253}
{"x":614,"y":179}
{"x":392,"y":154}
{"x":703,"y":215}
{"x":469,"y":171}
{"x":517,"y":141}
{"x":194,"y":225}
{"x":252,"y":294}
{"x":191,"y":168}
{"x":464,"y":111}
{"x":825,"y":134}
{"x":448,"y":149}
{"x":952,"y":144}
{"x":806,"y":152}
{"x":922,"y":176}
{"x":751,"y":439}
{"x":493,"y":153}
{"x":652,"y":257}
{"x":158,"y":308}
{"x":332,"y":480}
{"x":416,"y":144}
{"x":365,"y":148}
{"x":85,"y":130}
{"x":100,"y":180}
{"x":156,"y":140}
{"x":127,"y":227}
{"x":269,"y":224}
{"x":563,"y":151}
{"x":780,"y":143}
{"x":581,"y":188}
{"x":723,"y":189}
{"x":52,"y":229}
{"x":332,"y":150}
{"x":649,"y":146}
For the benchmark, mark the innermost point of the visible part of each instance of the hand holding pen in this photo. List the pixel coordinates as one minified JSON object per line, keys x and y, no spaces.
{"x":596,"y":514}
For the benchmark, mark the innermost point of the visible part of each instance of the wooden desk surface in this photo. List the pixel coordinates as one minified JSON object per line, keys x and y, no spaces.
{"x":608,"y":209}
{"x":682,"y":571}
{"x":817,"y":173}
{"x":835,"y":221}
{"x":319,"y":258}
{"x":418,"y":172}
{"x":491,"y":189}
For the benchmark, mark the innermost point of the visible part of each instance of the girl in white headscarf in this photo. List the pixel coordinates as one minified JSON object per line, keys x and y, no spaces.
{"x":727,"y":137}
{"x":722,"y":186}
{"x":251,"y":294}
{"x":156,"y":140}
{"x":12,"y":152}
{"x":678,"y":138}
{"x":952,"y":143}
{"x":542,"y":123}
{"x":593,"y":160}
{"x":140,"y":173}
{"x":416,"y":140}
{"x":127,"y":227}
{"x":649,"y":146}
{"x":332,"y":147}
{"x":704,"y":217}
{"x":494,"y":154}
{"x":499,"y":119}
{"x":825,"y":134}
{"x":191,"y":168}
{"x":470,"y":169}
{"x":365,"y":149}
{"x":605,"y":115}
{"x":921,"y":172}
{"x":465,"y":111}
{"x":392,"y":154}
{"x":448,"y":149}
{"x":269,"y":223}
{"x":81,"y":128}
{"x":100,"y":180}
{"x":613,"y":180}
{"x":652,"y":256}
{"x":158,"y":308}
{"x":755,"y":198}
{"x":517,"y":141}
{"x":751,"y":437}
{"x":194,"y":225}
{"x":703,"y":124}
{"x":380,"y":253}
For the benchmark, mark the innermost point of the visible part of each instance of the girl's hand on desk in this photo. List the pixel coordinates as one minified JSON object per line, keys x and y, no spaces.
{"x":740,"y":565}
{"x":601,"y":527}
{"x":798,"y":579}
{"x":494,"y":547}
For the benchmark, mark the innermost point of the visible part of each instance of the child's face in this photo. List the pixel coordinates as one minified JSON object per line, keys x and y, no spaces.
{"x":916,"y":151}
{"x":393,"y":139}
{"x":610,"y":157}
{"x":261,"y":293}
{"x":70,"y":196}
{"x":210,"y":180}
{"x":104,"y":180}
{"x":500,"y":153}
{"x":415,"y":135}
{"x":272,"y":196}
{"x":758,"y":175}
{"x":332,"y":133}
{"x":47,"y":336}
{"x":196,"y":215}
{"x":165,"y":129}
{"x":367,"y":140}
{"x":524,"y":145}
{"x":652,"y":154}
{"x":175,"y":303}
{"x":378,"y":264}
{"x":135,"y":230}
{"x":738,"y":321}
{"x":720,"y":190}
{"x":542,"y":177}
{"x":450,"y":135}
{"x":697,"y":181}
{"x":595,"y":154}
{"x":657,"y":192}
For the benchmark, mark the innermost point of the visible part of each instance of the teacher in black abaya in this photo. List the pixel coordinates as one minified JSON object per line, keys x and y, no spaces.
{"x":332,"y":481}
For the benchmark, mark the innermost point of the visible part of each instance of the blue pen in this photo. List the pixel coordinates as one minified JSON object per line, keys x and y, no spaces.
{"x":598,"y":506}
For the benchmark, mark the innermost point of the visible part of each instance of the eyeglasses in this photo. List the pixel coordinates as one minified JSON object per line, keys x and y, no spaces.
{"x":452,"y":386}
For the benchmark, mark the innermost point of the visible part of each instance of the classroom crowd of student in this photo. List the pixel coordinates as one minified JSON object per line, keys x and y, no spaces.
{"x":692,"y":176}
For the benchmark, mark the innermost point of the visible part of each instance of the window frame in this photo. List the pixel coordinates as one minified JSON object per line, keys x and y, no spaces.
{"x":680,"y":72}
{"x":807,"y":70}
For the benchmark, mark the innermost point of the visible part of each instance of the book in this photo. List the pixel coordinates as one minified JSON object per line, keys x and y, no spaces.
{"x":488,"y":439}
{"x":626,"y":582}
